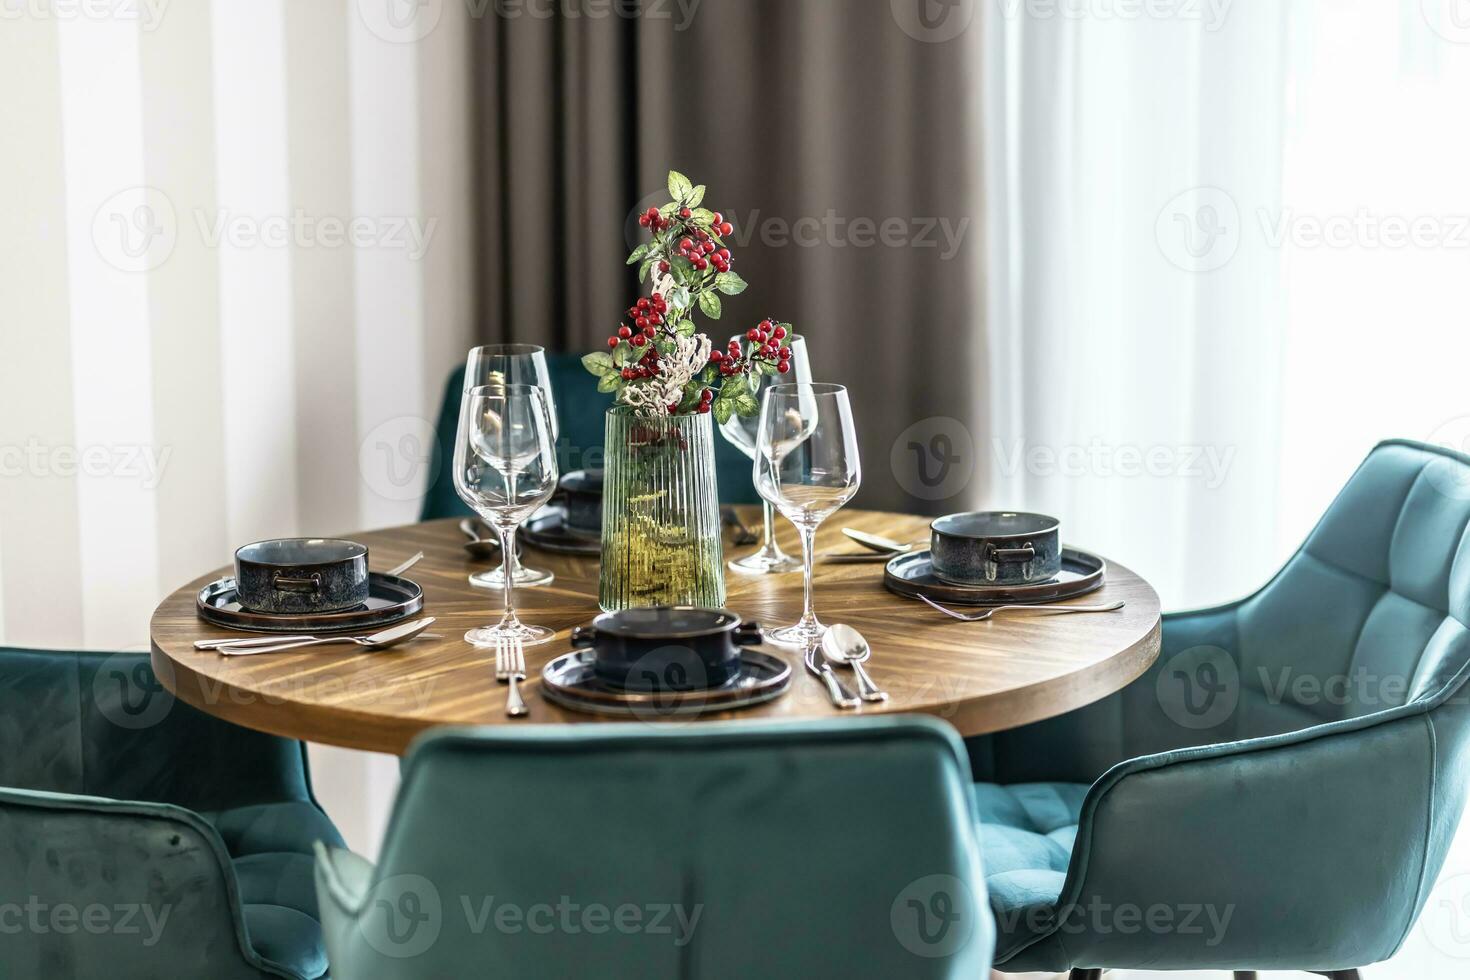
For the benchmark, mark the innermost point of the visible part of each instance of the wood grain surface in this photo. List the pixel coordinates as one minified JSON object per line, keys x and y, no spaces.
{"x":980,"y":677}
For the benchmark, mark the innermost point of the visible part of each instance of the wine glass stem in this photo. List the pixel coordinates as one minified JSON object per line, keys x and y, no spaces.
{"x":768,"y":546}
{"x":507,"y":572}
{"x":808,"y":544}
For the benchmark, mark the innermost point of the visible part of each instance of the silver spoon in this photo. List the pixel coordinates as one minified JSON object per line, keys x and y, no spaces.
{"x":400,"y":569}
{"x":981,"y":617}
{"x":478,"y":547}
{"x":846,"y":645}
{"x":377,"y":641}
{"x":876,"y":542}
{"x":817,"y":663}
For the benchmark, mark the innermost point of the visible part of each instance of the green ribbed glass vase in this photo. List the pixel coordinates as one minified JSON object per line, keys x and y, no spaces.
{"x":660,"y":513}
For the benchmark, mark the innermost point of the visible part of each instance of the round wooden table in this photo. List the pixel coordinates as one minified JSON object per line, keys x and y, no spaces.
{"x":980,"y":677}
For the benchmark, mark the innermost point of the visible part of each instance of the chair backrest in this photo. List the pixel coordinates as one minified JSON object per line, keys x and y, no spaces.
{"x":712,"y":851}
{"x":581,"y":409}
{"x":1370,"y":614}
{"x":1373,"y":611}
{"x":102,"y":724}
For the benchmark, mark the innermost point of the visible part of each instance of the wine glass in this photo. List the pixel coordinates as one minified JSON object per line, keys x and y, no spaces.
{"x":517,"y":364}
{"x":505,"y":469}
{"x":741,"y":433}
{"x":807,"y":466}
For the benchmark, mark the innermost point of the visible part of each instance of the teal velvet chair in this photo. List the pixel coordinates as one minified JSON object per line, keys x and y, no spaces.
{"x":141,"y":838}
{"x":717,"y":850}
{"x":1279,"y":791}
{"x":580,"y":409}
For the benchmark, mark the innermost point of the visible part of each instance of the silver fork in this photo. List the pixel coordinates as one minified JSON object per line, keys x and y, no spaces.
{"x":981,"y":617}
{"x":510,"y":668}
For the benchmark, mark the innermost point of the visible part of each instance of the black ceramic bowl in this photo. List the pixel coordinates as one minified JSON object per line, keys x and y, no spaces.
{"x":581,"y":494}
{"x":667,"y":648}
{"x":995,"y":548}
{"x":302,"y":575}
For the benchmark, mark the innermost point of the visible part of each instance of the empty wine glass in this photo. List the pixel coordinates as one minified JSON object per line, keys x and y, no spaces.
{"x":807,"y":466}
{"x":516,"y":364}
{"x":505,"y":469}
{"x":741,"y":433}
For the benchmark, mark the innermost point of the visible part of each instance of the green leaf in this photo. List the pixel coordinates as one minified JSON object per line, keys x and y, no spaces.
{"x":679,"y":186}
{"x":683,"y":268}
{"x":684,"y":328}
{"x":643,"y":272}
{"x":747,"y":405}
{"x":680,"y":298}
{"x":623,"y":355}
{"x":730,"y":283}
{"x":703,"y":217}
{"x":695,"y":196}
{"x":638,"y":253}
{"x":709,"y":303}
{"x":723,"y":409}
{"x":599,"y":363}
{"x":766,"y":367}
{"x":609,"y":382}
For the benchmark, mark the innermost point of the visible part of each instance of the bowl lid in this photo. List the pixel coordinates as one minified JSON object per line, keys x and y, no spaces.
{"x":665,"y":622}
{"x":290,"y":552}
{"x":994,"y":524}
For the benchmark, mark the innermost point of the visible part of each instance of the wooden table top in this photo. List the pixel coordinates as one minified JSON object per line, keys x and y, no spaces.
{"x":980,"y":677}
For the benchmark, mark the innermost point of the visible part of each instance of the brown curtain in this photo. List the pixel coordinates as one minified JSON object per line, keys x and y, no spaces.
{"x":843,"y":148}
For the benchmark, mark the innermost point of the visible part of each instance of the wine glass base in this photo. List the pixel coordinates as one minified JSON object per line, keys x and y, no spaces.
{"x":799,"y":635}
{"x":525,"y":578}
{"x":766,"y":563}
{"x":490,"y":636}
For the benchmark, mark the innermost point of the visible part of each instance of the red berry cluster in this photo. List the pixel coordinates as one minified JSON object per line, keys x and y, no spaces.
{"x":647,"y":315}
{"x":652,"y":219}
{"x":701,"y":249}
{"x":765,"y":339}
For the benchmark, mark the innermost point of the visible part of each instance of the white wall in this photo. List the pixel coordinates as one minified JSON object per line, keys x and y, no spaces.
{"x":183,"y":311}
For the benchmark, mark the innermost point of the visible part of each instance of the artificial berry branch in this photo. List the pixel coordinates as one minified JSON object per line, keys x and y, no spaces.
{"x":655,"y":362}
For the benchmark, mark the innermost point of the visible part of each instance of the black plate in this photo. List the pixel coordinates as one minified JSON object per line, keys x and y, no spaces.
{"x":568,"y":681}
{"x":910,"y":574}
{"x":391,"y":598}
{"x":547,"y":530}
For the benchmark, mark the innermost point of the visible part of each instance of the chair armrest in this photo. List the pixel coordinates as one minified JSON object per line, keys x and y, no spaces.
{"x":1338,"y":816}
{"x":344,"y":884}
{"x":130,"y":890}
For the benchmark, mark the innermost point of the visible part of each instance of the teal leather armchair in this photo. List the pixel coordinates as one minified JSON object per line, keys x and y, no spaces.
{"x":141,"y":838}
{"x":1280,"y":790}
{"x":580,"y":410}
{"x":717,"y":850}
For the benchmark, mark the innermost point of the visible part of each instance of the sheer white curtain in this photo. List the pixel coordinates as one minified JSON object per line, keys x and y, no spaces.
{"x":1236,"y":237}
{"x":235,"y":244}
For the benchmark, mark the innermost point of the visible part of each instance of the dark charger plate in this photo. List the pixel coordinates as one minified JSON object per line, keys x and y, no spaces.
{"x":391,"y":598}
{"x":548,"y":530}
{"x":911,"y":575}
{"x":568,"y":681}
